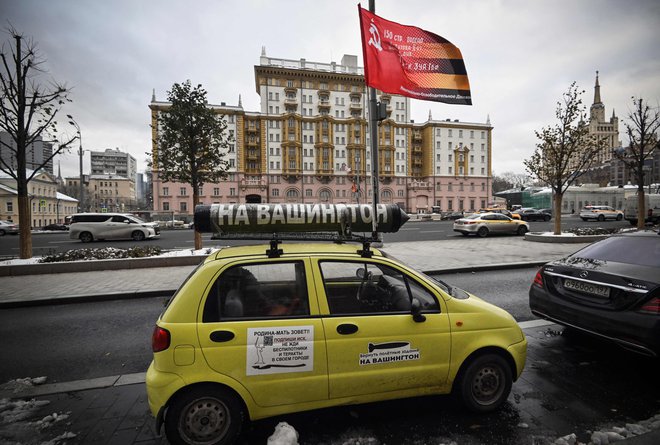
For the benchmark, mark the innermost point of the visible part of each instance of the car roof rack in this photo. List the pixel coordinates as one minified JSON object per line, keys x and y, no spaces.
{"x":276,"y":238}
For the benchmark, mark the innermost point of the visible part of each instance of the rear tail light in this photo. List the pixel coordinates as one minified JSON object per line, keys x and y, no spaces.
{"x":652,"y":306}
{"x":160,"y":339}
{"x":538,"y":279}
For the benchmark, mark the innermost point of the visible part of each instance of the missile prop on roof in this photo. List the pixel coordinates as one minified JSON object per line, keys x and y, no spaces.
{"x":344,"y":219}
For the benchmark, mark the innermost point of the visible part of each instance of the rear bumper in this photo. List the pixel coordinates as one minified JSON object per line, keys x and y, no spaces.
{"x":632,"y":330}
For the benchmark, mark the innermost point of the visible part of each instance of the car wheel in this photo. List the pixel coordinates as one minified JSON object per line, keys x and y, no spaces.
{"x":485,"y":384}
{"x":86,"y":237}
{"x":601,"y":218}
{"x":204,"y":414}
{"x":2,"y":232}
{"x":521,"y":230}
{"x":482,"y":232}
{"x":464,"y":233}
{"x":138,"y":235}
{"x":546,"y":218}
{"x":584,"y":219}
{"x":619,"y":217}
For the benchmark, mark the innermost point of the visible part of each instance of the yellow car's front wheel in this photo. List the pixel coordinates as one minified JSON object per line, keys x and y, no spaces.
{"x":485,"y":384}
{"x":204,"y":415}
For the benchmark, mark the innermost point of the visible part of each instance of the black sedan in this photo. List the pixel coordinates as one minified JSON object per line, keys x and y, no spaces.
{"x":610,"y":288}
{"x":529,"y":214}
{"x":51,"y":227}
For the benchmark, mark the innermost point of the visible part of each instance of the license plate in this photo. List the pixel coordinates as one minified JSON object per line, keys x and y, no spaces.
{"x":588,"y":288}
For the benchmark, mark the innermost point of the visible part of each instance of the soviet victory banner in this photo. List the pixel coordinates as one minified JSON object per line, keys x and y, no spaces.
{"x":412,"y":62}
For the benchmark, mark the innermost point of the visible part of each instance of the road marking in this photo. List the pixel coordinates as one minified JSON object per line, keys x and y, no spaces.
{"x":432,"y":231}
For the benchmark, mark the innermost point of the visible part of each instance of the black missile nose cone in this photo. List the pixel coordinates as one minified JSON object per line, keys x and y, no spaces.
{"x":202,"y":219}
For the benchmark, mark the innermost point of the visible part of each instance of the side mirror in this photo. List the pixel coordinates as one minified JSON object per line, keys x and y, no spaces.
{"x":416,"y":311}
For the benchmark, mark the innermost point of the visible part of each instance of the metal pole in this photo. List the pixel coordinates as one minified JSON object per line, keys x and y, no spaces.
{"x":373,"y":128}
{"x":82,"y":177}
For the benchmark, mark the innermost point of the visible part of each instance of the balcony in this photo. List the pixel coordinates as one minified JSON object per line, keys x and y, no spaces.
{"x":356,"y":107}
{"x":417,"y":135}
{"x":324,"y":105}
{"x":356,"y":96}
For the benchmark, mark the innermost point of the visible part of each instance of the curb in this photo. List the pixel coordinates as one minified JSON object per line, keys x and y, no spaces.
{"x":91,"y":266}
{"x":536,"y":236}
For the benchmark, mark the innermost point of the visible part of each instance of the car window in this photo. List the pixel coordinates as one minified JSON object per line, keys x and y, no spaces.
{"x":120,"y":219}
{"x":371,"y":288}
{"x":268,"y":290}
{"x":640,"y":250}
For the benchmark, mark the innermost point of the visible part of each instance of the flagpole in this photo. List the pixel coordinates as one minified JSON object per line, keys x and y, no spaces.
{"x":373,"y":129}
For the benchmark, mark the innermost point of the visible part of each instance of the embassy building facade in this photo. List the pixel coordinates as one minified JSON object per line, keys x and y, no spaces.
{"x":310,"y":143}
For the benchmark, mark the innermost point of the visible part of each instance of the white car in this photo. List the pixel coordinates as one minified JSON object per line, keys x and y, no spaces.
{"x":8,"y":227}
{"x":88,"y":227}
{"x":600,"y":213}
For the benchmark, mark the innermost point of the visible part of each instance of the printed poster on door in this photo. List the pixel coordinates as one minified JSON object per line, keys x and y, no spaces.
{"x":278,"y":350}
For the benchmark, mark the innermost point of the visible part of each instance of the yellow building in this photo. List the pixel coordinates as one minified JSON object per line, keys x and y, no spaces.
{"x":47,"y":205}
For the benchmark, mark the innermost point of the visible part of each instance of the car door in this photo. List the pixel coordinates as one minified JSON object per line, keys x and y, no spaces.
{"x":374,"y":344}
{"x":259,"y":327}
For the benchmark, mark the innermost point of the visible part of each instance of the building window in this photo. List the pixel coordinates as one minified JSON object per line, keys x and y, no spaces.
{"x":182,"y":191}
{"x":166,"y":191}
{"x":183,"y":206}
{"x":10,"y":206}
{"x":232,"y":192}
{"x":450,"y":204}
{"x":275,"y":192}
{"x":166,"y":206}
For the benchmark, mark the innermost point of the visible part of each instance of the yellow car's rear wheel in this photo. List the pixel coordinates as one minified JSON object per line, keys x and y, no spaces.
{"x":204,"y":415}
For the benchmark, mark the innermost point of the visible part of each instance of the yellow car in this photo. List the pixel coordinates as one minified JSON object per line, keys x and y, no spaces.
{"x":259,"y":331}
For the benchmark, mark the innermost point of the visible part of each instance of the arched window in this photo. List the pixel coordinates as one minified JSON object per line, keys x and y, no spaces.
{"x":325,"y":195}
{"x":292,"y":194}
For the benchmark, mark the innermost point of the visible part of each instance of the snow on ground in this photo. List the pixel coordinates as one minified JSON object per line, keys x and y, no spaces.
{"x":173,"y":253}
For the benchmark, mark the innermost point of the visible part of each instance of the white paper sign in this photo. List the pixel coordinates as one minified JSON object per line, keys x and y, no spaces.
{"x":280,"y":349}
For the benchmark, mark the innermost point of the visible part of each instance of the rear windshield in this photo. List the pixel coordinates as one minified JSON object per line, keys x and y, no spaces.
{"x":641,"y":250}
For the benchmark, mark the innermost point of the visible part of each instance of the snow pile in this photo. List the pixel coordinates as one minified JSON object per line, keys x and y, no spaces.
{"x":16,"y":428}
{"x":284,"y":434}
{"x":614,"y":434}
{"x":19,"y":385}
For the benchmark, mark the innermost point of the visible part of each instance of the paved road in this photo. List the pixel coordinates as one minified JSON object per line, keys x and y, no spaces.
{"x":47,"y":243}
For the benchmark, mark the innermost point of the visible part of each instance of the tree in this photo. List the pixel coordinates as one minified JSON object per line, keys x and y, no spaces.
{"x":191,"y":142}
{"x":566,"y":150}
{"x":28,"y":112}
{"x":509,"y":180}
{"x":642,"y":133}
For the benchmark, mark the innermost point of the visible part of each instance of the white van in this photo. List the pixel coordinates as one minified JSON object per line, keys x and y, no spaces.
{"x":652,"y":209}
{"x":88,"y":227}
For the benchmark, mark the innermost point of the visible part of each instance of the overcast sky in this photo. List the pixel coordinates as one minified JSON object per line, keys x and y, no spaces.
{"x":520,"y":55}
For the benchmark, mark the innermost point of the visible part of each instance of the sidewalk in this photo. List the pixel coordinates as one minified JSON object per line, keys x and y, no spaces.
{"x":429,"y":256}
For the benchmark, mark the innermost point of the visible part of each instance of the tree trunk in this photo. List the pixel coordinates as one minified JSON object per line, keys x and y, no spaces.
{"x":25,"y":226}
{"x":641,"y":208}
{"x":558,"y":198}
{"x":198,"y":236}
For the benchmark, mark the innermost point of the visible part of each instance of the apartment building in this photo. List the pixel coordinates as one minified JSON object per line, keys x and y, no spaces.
{"x":310,"y":143}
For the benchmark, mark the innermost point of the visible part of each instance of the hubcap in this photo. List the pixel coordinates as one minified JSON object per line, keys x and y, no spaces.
{"x":204,"y":421}
{"x":487,"y":385}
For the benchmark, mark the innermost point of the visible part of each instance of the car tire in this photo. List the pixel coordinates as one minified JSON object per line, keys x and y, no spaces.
{"x":547,"y":218}
{"x":601,"y":218}
{"x":584,"y":219}
{"x":619,"y":217}
{"x":521,"y":230}
{"x":204,"y":414}
{"x":137,"y":235}
{"x":482,"y":232}
{"x":485,"y":384}
{"x":2,"y":233}
{"x":464,"y":233}
{"x":86,"y":237}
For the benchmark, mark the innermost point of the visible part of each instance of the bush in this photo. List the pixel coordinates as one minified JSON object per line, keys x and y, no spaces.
{"x":104,"y":253}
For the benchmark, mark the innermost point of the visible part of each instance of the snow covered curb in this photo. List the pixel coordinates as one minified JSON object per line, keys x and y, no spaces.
{"x":549,"y":237}
{"x":170,"y":259}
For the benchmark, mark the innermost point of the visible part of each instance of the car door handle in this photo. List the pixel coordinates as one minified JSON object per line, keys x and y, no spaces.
{"x":347,"y":329}
{"x":221,"y":336}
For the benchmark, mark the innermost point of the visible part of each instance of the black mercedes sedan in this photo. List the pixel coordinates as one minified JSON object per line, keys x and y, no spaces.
{"x":610,"y":288}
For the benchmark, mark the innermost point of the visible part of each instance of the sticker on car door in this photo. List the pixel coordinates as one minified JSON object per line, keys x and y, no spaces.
{"x":388,"y":352}
{"x":280,"y":349}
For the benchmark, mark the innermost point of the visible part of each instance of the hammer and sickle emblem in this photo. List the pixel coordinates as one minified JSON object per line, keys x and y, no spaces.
{"x":375,"y":37}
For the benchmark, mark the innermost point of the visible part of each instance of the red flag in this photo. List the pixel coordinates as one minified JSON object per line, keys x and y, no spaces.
{"x":409,"y":61}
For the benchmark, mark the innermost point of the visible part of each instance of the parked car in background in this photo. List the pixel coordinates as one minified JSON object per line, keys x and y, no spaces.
{"x":8,"y":227}
{"x":548,"y":211}
{"x":610,"y":288}
{"x":452,"y":215}
{"x":600,"y":213}
{"x":531,"y":214}
{"x":484,"y":224}
{"x":501,"y":210}
{"x":88,"y":227}
{"x":651,"y":209}
{"x":54,"y":227}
